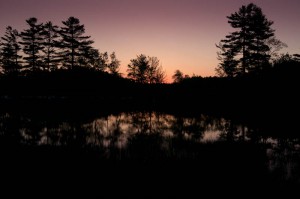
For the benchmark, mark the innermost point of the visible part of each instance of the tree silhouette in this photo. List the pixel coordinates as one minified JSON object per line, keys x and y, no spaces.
{"x":91,"y":59}
{"x":284,"y":60}
{"x":275,"y":46}
{"x":75,"y":46}
{"x":32,"y":41}
{"x":137,"y":69}
{"x":228,"y":65}
{"x":103,"y":61}
{"x":9,"y":51}
{"x":113,"y":66}
{"x":178,"y":76}
{"x":51,"y":57}
{"x":145,"y":70}
{"x":155,"y":73}
{"x":246,"y":50}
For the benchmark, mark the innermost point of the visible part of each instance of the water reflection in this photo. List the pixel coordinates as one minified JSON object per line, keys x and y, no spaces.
{"x":152,"y":136}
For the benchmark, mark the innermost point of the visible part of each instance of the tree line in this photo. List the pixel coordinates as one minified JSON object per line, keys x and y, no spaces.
{"x":251,"y":49}
{"x":47,"y":47}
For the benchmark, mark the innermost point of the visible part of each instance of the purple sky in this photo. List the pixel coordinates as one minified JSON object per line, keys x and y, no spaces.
{"x":181,"y":33}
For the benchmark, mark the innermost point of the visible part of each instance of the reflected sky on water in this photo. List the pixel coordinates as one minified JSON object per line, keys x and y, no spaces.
{"x":152,"y":135}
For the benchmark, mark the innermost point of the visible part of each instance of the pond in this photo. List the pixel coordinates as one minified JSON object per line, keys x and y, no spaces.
{"x":201,"y":147}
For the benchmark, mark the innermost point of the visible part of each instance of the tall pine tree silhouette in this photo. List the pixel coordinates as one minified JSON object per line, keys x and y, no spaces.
{"x":32,"y":42}
{"x":246,"y":49}
{"x":9,"y":52}
{"x":73,"y":42}
{"x":51,"y":37}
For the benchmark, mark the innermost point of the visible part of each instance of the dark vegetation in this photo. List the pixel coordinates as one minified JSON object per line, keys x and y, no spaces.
{"x":49,"y":63}
{"x":273,"y":90}
{"x":59,"y":77}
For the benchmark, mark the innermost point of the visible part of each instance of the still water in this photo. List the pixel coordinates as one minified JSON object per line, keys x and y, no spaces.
{"x":156,"y":137}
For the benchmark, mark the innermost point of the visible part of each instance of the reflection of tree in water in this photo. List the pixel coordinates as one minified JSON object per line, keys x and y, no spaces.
{"x":115,"y":130}
{"x":57,"y":136}
{"x":284,"y":158}
{"x":9,"y":129}
{"x":109,"y":131}
{"x":146,"y":131}
{"x":231,"y":131}
{"x":150,"y":136}
{"x":192,"y":128}
{"x":283,"y":154}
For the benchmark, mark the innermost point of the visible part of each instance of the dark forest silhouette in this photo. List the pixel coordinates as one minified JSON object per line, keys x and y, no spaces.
{"x":59,"y":67}
{"x":45,"y":47}
{"x":64,"y":104}
{"x":47,"y":60}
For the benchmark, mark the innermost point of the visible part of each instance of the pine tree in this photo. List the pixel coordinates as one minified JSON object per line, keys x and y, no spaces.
{"x":32,"y":41}
{"x":9,"y":52}
{"x":246,"y":49}
{"x":51,"y":57}
{"x":228,"y":65}
{"x":261,"y":31}
{"x":73,"y":44}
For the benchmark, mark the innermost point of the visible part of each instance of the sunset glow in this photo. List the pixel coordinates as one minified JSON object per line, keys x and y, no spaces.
{"x":181,"y":33}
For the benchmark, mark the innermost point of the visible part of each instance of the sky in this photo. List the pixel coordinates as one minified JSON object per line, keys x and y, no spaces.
{"x":181,"y":33}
